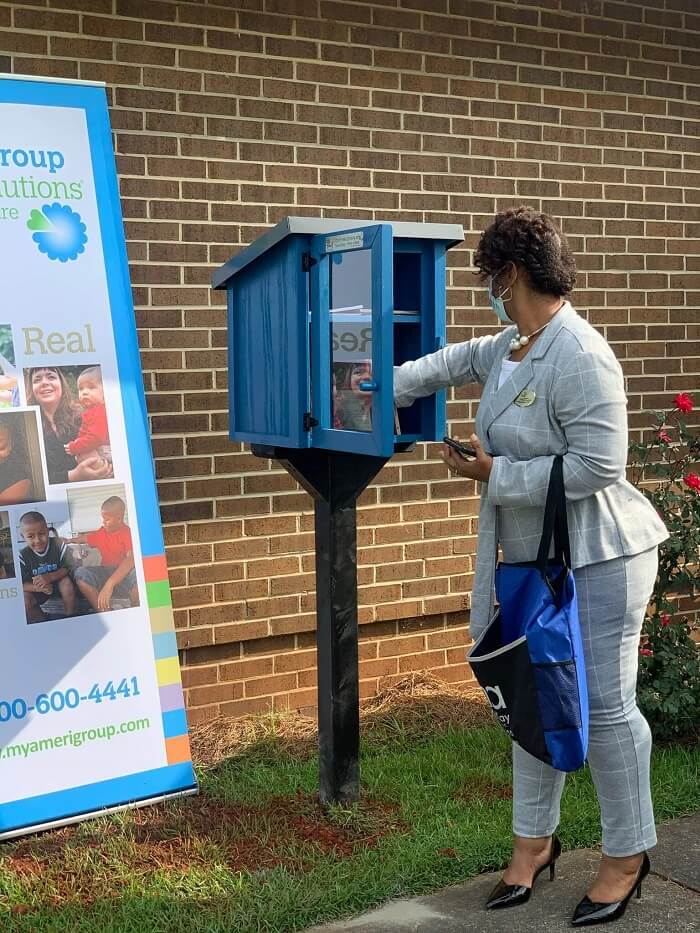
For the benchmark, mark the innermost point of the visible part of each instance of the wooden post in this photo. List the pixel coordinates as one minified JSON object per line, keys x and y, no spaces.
{"x":335,"y":480}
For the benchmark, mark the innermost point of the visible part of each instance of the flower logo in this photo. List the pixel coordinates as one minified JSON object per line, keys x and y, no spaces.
{"x":59,"y":231}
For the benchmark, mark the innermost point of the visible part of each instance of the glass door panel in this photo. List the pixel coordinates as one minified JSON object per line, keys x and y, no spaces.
{"x":351,"y":309}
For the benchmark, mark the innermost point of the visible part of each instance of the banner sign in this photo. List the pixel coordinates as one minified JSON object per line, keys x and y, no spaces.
{"x":91,"y":705}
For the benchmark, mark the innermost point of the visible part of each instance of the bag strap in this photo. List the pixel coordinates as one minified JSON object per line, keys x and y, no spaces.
{"x":555,"y":520}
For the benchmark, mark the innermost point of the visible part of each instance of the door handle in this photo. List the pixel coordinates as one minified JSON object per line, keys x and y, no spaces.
{"x":369,"y":387}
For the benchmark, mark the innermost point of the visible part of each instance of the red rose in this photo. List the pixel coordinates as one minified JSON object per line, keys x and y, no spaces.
{"x":692,"y":481}
{"x":683,"y":402}
{"x":647,"y":652}
{"x":665,"y":620}
{"x":664,"y":436}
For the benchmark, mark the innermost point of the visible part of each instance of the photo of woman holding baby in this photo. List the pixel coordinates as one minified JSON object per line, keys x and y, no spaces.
{"x":75,"y":432}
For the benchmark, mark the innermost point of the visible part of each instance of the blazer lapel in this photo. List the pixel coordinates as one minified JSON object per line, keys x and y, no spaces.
{"x":543,"y":343}
{"x":494,"y":400}
{"x":498,"y":400}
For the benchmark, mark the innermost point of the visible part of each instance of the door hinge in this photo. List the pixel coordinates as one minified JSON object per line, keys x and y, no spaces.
{"x":307,"y":260}
{"x":309,"y":421}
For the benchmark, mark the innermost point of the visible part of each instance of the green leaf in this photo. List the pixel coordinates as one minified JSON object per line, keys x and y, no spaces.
{"x":39,"y":222}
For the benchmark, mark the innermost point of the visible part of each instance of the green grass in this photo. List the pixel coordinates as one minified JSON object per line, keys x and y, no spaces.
{"x":435,"y":811}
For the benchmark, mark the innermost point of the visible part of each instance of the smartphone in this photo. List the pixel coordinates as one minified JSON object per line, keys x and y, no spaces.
{"x":463,"y":450}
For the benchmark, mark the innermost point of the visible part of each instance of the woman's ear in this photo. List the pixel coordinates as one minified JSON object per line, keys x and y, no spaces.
{"x":509,"y":275}
{"x":504,"y":279}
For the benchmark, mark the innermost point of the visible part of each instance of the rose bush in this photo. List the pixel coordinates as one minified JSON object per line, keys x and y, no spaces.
{"x":666,"y":470}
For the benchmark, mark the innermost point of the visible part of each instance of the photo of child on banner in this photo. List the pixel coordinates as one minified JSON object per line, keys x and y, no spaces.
{"x":9,"y":390}
{"x":73,"y":420}
{"x":7,"y":562}
{"x":76,"y":559}
{"x":93,"y":435}
{"x":21,"y":473}
{"x":46,"y":565}
{"x":106,"y":577}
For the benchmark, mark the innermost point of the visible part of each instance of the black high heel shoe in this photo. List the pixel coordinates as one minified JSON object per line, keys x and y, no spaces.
{"x":510,"y":895}
{"x":590,"y":912}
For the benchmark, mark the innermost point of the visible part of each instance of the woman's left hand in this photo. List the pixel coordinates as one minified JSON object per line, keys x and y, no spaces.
{"x":479,"y":469}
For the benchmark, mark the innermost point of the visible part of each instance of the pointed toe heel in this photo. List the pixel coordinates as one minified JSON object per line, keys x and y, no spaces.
{"x":508,"y":895}
{"x":588,"y":912}
{"x":511,"y":895}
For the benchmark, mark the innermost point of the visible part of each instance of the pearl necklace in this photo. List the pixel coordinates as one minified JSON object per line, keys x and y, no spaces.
{"x":522,"y":341}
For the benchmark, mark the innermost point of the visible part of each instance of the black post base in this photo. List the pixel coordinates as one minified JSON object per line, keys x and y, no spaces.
{"x":335,"y":480}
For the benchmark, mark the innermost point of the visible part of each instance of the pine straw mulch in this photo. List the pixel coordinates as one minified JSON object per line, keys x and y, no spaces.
{"x":415,"y":708}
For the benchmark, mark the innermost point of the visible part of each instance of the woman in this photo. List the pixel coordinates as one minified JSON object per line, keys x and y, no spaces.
{"x":15,"y":481}
{"x":552,"y":386}
{"x":46,"y":387}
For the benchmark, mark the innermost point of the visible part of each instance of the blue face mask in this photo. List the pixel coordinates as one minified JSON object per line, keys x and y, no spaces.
{"x":497,"y":303}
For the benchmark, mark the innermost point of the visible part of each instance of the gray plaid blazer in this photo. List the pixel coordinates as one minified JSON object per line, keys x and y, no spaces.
{"x":579,"y":410}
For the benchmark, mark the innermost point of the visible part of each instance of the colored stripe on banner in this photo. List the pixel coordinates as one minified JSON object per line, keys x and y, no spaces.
{"x":162,"y":619}
{"x":174,"y":723}
{"x":158,"y":594}
{"x":155,"y":568}
{"x":178,"y":750}
{"x":172,"y":701}
{"x":168,"y":671}
{"x":171,"y":698}
{"x":165,"y":645}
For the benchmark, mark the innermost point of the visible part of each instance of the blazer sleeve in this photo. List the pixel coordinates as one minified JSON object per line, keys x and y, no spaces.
{"x":453,"y":366}
{"x":589,"y":402}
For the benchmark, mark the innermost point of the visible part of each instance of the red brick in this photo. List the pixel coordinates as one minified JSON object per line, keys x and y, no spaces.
{"x":396,"y":647}
{"x":214,"y":144}
{"x":266,"y":686}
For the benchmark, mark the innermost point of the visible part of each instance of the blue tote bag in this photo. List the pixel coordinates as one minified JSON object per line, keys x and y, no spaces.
{"x":529,"y":659}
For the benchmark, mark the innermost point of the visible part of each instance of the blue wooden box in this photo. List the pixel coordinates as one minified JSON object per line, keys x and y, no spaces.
{"x":319,"y":313}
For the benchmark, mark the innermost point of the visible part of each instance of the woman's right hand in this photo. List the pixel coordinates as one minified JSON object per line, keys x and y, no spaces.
{"x":91,"y":469}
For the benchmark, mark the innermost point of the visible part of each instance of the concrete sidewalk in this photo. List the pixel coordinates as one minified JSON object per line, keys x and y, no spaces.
{"x":670,"y":900}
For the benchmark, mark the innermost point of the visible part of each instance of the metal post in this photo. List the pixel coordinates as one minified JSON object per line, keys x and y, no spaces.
{"x":335,"y":480}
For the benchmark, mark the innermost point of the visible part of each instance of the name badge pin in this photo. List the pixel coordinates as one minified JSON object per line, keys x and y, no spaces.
{"x":526,"y":398}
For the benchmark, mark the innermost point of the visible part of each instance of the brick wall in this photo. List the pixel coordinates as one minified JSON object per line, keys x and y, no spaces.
{"x":228,"y":116}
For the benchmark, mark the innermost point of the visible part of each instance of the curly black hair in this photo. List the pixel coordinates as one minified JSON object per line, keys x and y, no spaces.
{"x":528,"y":238}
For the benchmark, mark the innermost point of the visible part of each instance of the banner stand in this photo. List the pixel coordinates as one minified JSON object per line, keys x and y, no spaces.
{"x":92,"y":711}
{"x":108,"y":811}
